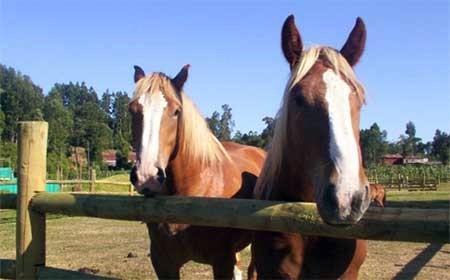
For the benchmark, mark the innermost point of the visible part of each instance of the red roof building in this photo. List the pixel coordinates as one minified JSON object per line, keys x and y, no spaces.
{"x":109,"y":158}
{"x":132,"y":157}
{"x":391,"y":159}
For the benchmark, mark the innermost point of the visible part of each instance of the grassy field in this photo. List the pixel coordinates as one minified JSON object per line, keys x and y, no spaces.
{"x":420,"y":199}
{"x":120,"y":248}
{"x":106,"y":188}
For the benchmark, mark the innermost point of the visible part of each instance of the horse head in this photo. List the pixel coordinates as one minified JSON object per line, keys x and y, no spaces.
{"x":156,"y":109}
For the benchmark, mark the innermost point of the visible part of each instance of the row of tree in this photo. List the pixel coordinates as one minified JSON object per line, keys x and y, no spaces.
{"x":373,"y":141}
{"x":75,"y":114}
{"x":77,"y":117}
{"x":374,"y":145}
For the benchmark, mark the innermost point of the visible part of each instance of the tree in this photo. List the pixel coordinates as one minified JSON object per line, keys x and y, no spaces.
{"x":60,"y":123}
{"x":21,"y":100}
{"x":268,"y":131}
{"x":2,"y":123}
{"x":226,"y":123}
{"x":222,"y":125}
{"x":409,"y":141}
{"x":214,"y":123}
{"x":373,"y":144}
{"x":90,"y":128}
{"x":393,"y":148}
{"x":2,"y":116}
{"x":106,"y":103}
{"x":121,"y":126}
{"x":441,"y":146}
{"x":252,"y":138}
{"x":424,"y":148}
{"x":9,"y":150}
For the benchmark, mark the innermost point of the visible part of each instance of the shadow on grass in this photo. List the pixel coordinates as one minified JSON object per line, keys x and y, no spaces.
{"x":413,"y":267}
{"x":424,"y":204}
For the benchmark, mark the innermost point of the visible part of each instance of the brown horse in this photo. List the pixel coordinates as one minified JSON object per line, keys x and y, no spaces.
{"x":178,"y":155}
{"x":315,"y":157}
{"x":377,"y":194}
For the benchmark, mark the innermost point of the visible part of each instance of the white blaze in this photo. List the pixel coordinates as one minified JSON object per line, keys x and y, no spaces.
{"x":237,"y":273}
{"x":343,"y":147}
{"x":152,"y":109}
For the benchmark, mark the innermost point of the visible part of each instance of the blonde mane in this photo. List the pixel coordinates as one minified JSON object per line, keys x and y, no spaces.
{"x":197,"y":142}
{"x":339,"y":64}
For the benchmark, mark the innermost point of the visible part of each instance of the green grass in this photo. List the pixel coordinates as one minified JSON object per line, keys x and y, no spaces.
{"x":105,"y":188}
{"x":420,"y":199}
{"x":80,"y":243}
{"x":118,"y":178}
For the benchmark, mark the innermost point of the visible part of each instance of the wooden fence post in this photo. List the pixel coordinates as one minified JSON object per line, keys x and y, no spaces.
{"x":30,"y":225}
{"x":92,"y":177}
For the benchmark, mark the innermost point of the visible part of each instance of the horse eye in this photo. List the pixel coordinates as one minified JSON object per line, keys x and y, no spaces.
{"x":176,"y":113}
{"x":299,"y":100}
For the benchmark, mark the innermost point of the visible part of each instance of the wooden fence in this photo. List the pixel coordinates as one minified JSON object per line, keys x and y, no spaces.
{"x":92,"y":182}
{"x":401,"y":182}
{"x":400,"y":224}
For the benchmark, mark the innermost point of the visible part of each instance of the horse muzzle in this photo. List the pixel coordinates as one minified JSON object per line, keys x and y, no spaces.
{"x":146,"y":183}
{"x":348,"y":211}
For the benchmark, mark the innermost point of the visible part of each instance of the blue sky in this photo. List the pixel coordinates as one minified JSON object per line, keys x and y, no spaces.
{"x":234,"y":51}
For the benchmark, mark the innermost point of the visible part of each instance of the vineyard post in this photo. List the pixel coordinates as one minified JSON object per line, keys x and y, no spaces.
{"x":92,"y":177}
{"x":61,"y":186}
{"x":130,"y":189}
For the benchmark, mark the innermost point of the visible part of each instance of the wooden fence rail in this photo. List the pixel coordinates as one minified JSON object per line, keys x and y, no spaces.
{"x":8,"y":201}
{"x":75,"y":182}
{"x":393,"y":224}
{"x":390,"y":224}
{"x":396,"y":224}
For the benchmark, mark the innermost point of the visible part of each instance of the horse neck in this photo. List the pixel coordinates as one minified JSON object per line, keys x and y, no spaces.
{"x":188,"y":177}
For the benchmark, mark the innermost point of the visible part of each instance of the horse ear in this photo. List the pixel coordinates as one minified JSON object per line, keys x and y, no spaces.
{"x":138,"y":73}
{"x":181,"y":77}
{"x":354,"y":47}
{"x":291,"y":42}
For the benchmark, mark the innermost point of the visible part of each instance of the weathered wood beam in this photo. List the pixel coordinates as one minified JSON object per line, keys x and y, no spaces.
{"x":8,"y":201}
{"x":7,"y":269}
{"x":393,"y":224}
{"x":30,"y":225}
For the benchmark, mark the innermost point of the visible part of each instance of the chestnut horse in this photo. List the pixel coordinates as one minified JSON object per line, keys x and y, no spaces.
{"x":378,"y":194}
{"x":315,"y":157}
{"x":178,"y":155}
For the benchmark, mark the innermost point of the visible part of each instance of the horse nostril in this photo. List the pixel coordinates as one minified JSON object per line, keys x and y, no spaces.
{"x":330,"y":196}
{"x":367,"y":192}
{"x":161,"y":175}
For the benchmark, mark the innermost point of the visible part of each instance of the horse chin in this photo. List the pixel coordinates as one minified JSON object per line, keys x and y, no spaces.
{"x":151,"y":190}
{"x":172,"y":229}
{"x":148,"y":193}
